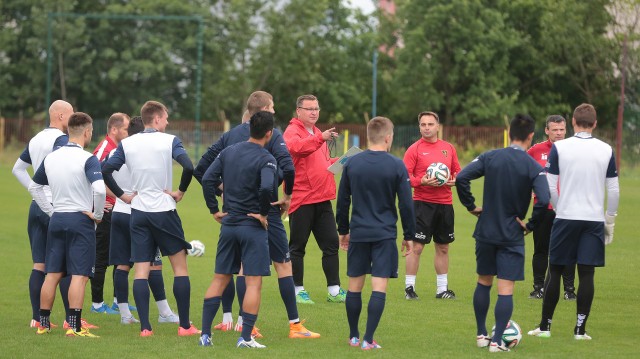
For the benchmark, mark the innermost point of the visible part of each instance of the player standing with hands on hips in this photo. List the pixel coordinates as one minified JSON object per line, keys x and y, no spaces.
{"x":249,"y":174}
{"x":77,"y":189}
{"x":509,"y":176}
{"x":155,"y":222}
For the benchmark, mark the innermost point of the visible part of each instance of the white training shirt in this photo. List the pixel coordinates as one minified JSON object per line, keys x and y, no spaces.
{"x":149,"y":157}
{"x":40,"y":146}
{"x":123,"y":178}
{"x":75,"y":179}
{"x":582,"y":166}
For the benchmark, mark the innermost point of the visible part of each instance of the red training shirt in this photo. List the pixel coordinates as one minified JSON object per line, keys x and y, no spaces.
{"x":540,"y":152}
{"x":418,"y":157}
{"x":102,"y":150}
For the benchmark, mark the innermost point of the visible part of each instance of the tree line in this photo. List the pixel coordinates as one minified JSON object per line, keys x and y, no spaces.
{"x":475,"y":62}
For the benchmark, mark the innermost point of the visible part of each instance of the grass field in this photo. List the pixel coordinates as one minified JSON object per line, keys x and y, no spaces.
{"x":424,"y":328}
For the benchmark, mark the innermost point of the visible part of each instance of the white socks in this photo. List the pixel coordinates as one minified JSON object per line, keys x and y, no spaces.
{"x":299,"y":289}
{"x":409,"y":280}
{"x":227,"y":318}
{"x":124,"y":310}
{"x":163,"y":308}
{"x":98,"y":305}
{"x":441,"y":282}
{"x":333,"y":290}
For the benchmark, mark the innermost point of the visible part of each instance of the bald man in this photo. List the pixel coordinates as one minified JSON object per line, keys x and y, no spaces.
{"x":37,"y":149}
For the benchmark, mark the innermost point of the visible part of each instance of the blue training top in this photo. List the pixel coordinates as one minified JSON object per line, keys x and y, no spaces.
{"x":373,"y":179}
{"x":249,"y":175}
{"x":509,"y":176}
{"x":241,"y":133}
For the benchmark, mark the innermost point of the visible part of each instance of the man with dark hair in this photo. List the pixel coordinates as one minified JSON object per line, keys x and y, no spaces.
{"x":154,"y":219}
{"x":120,"y":248}
{"x":243,"y":235}
{"x":370,"y":236}
{"x":584,"y":166}
{"x":36,"y":150}
{"x":433,"y":204}
{"x":314,"y":188}
{"x":116,"y":131}
{"x":78,"y":195}
{"x":278,"y":246}
{"x":555,"y":129}
{"x":509,"y":177}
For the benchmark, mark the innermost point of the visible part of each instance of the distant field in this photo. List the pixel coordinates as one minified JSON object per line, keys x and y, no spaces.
{"x":426,"y":328}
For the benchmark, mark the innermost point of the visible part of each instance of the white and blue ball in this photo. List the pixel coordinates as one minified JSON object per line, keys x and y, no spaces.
{"x":439,"y":171}
{"x":512,"y":335}
{"x":197,"y":249}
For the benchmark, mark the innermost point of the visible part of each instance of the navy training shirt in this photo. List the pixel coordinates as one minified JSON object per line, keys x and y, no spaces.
{"x":241,"y":133}
{"x":509,"y":176}
{"x":249,"y":175}
{"x":373,"y":179}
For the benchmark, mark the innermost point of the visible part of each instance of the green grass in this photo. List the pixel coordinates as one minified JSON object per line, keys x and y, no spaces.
{"x":425,"y":328}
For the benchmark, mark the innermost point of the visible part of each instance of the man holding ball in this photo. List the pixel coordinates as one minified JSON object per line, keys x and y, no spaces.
{"x":433,"y":204}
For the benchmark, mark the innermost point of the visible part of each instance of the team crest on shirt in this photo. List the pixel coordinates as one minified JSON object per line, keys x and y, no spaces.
{"x":444,"y":152}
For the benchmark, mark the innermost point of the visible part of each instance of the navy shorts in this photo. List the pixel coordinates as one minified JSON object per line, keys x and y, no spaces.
{"x":380,"y":259}
{"x":153,"y":230}
{"x":120,"y":242}
{"x":278,"y":242}
{"x":37,"y":225}
{"x":434,"y":220}
{"x":71,"y":244}
{"x":580,"y":242}
{"x":246,"y":245}
{"x":505,"y":262}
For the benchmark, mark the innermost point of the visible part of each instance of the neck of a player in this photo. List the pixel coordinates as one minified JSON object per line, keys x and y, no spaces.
{"x":379,"y":147}
{"x":261,"y":141}
{"x":56,"y":124}
{"x":113,"y":138}
{"x":432,"y":139}
{"x":79,"y":140}
{"x":523,"y":144}
{"x":152,"y":127}
{"x":577,"y":129}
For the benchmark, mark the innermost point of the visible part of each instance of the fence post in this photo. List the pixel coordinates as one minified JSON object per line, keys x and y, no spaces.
{"x":346,"y":141}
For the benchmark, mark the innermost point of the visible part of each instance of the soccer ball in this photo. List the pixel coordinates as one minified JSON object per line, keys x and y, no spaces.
{"x":440,"y":171}
{"x":512,"y":335}
{"x":197,"y":249}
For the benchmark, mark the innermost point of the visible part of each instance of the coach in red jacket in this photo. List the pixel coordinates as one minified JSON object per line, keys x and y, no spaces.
{"x":313,"y":189}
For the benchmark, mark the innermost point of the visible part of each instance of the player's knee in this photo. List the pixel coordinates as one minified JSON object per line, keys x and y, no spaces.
{"x":442,"y":249}
{"x":38,"y":266}
{"x":283,"y":269}
{"x":418,"y":248}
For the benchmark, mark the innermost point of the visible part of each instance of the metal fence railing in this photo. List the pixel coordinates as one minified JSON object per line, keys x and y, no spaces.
{"x":469,"y":141}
